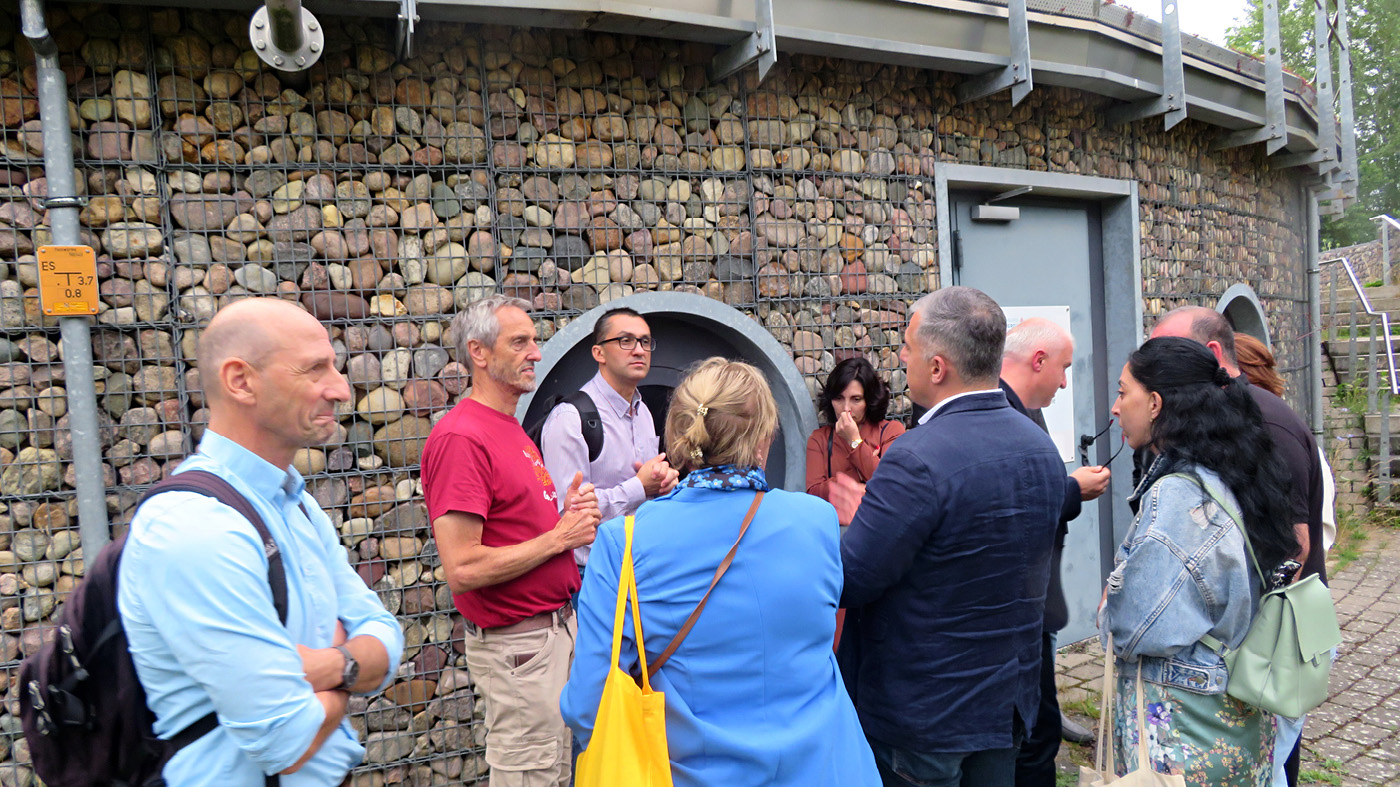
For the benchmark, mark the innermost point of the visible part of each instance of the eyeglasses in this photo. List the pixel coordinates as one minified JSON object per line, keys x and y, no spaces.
{"x":629,"y":342}
{"x":1085,"y":441}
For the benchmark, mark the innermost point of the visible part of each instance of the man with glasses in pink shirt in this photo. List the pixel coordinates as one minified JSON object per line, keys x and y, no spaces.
{"x":629,"y":469}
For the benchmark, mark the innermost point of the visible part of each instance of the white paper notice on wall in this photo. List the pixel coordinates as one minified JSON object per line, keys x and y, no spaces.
{"x":1059,"y":416}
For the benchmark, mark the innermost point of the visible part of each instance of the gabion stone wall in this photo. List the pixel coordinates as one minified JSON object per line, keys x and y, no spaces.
{"x":566,"y":168}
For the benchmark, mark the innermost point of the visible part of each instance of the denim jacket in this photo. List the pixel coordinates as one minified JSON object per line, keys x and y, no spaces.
{"x":1182,"y":572}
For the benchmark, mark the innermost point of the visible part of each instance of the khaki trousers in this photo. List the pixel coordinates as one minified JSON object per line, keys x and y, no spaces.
{"x":519,"y":678}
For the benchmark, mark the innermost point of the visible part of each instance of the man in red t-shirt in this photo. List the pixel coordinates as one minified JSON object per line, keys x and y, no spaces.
{"x":507,"y":552}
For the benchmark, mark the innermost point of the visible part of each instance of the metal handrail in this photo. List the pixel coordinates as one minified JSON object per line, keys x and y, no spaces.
{"x":1385,"y":319}
{"x":1388,"y":219}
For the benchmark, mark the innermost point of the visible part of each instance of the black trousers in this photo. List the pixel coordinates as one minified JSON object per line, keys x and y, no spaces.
{"x":1035,"y":763}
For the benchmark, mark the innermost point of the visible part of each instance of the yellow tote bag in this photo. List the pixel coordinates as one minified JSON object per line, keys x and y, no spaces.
{"x":628,"y":747}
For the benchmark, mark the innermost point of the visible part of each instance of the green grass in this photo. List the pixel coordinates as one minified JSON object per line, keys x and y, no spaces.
{"x":1350,"y":397}
{"x":1352,"y":534}
{"x":1330,"y":771}
{"x":1087,"y":706}
{"x":1066,"y":779}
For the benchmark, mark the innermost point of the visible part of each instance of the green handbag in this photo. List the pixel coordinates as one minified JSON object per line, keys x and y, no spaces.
{"x":1284,"y":661}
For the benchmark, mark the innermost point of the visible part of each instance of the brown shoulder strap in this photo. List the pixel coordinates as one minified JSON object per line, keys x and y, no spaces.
{"x":665,"y":656}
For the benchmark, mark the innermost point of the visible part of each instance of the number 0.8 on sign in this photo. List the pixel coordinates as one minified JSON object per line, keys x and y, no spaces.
{"x":67,"y":280}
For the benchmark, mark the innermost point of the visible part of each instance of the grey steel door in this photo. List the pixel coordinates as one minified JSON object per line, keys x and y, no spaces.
{"x":1051,"y":256}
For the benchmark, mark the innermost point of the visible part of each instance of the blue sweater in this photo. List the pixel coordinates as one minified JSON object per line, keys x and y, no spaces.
{"x":753,"y":694}
{"x":946,"y":567}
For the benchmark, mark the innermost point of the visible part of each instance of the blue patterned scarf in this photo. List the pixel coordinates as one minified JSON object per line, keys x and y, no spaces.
{"x":727,"y":478}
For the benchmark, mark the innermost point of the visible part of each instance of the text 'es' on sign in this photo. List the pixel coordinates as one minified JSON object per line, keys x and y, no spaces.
{"x":67,"y":280}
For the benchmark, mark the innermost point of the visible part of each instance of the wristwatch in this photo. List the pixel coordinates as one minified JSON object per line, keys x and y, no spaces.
{"x":856,"y":443}
{"x":351,"y":672}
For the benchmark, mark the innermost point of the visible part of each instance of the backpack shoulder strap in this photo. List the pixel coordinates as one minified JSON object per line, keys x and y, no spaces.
{"x":208,"y":484}
{"x":592,"y":423}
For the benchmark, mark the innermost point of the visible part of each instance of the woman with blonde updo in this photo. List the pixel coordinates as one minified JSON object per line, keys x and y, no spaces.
{"x":753,"y":695}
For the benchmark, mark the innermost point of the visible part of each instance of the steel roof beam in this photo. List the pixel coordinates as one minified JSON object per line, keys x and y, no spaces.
{"x":1172,"y":101}
{"x":1274,"y":132}
{"x":759,"y":46}
{"x":1349,"y":175}
{"x":1016,"y":74}
{"x":1322,"y":80}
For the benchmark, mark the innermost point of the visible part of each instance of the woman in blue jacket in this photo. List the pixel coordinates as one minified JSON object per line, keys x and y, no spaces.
{"x":753,"y":695}
{"x":1184,"y":571}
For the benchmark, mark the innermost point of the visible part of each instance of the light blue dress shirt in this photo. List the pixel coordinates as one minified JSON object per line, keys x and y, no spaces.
{"x":195,"y":601}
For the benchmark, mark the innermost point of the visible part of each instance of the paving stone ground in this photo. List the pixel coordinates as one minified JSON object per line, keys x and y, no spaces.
{"x":1354,"y":738}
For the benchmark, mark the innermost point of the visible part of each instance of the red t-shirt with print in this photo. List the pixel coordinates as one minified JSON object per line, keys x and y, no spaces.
{"x":480,"y":461}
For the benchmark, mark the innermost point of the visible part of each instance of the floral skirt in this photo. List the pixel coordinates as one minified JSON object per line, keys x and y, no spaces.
{"x":1213,"y":740}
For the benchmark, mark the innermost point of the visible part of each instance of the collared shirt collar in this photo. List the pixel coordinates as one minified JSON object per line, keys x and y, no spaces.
{"x":939,"y":406}
{"x":262,"y":476}
{"x":621,"y":406}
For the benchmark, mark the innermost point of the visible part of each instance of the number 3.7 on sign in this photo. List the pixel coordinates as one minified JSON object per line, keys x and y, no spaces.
{"x":68,"y":280}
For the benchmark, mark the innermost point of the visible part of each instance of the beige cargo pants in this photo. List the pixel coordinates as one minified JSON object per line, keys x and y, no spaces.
{"x":520,"y":677}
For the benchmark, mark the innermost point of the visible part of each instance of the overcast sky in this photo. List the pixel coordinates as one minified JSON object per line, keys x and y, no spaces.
{"x":1205,"y":18}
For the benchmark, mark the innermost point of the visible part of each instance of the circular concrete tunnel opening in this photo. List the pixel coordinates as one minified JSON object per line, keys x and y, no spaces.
{"x":687,"y":328}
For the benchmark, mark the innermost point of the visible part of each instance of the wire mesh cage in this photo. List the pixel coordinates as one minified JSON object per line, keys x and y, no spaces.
{"x":569,"y":169}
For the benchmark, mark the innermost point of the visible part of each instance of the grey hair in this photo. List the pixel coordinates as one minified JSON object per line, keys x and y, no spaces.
{"x":966,"y":327}
{"x":1034,"y":334}
{"x":478,"y":322}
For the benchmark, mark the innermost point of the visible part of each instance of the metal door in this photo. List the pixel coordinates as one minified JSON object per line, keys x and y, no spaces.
{"x":1051,"y":256}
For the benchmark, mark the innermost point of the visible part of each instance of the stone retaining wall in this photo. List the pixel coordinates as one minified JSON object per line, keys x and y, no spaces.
{"x":563,"y":167}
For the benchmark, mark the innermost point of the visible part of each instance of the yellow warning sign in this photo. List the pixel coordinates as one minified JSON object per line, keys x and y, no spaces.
{"x":67,"y":280}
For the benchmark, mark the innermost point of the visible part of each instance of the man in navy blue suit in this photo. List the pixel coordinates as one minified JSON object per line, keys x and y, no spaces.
{"x":947,"y":560}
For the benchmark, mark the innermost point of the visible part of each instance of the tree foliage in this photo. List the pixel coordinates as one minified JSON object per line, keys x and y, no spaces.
{"x":1374,"y":30}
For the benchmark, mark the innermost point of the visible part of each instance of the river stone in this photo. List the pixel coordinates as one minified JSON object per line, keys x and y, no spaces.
{"x":30,"y":545}
{"x":298,"y":224}
{"x":202,"y":212}
{"x":34,"y":470}
{"x":126,"y":239}
{"x":400,"y":444}
{"x":381,"y":405}
{"x":387,"y":747}
{"x":256,"y":279}
{"x":570,"y":252}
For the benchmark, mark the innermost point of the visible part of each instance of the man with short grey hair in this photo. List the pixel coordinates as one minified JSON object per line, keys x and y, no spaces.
{"x":947,"y":559}
{"x":505,"y":546}
{"x":1035,"y":367}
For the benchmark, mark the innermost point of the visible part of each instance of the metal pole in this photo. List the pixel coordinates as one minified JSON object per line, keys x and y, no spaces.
{"x":1315,"y":316}
{"x":284,"y":20}
{"x":1331,"y":306}
{"x":1371,"y":367}
{"x":1383,"y":476}
{"x":76,"y":336}
{"x":1385,"y":251}
{"x":1351,"y":347}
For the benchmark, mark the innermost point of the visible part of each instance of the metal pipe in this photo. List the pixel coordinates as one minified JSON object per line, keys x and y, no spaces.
{"x":1315,"y":314}
{"x":284,"y":22}
{"x":76,"y":331}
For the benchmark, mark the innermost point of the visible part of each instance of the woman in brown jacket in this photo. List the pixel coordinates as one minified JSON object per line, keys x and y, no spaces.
{"x":853,"y":404}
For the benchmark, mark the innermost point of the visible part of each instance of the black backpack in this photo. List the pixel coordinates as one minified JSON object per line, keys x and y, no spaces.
{"x":587,"y":413}
{"x":82,"y":707}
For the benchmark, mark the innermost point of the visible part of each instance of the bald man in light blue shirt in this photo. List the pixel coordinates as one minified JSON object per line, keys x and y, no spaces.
{"x":193,"y":587}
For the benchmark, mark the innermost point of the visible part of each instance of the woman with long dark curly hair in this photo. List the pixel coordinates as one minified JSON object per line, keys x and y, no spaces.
{"x":853,"y":402}
{"x":1212,"y":491}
